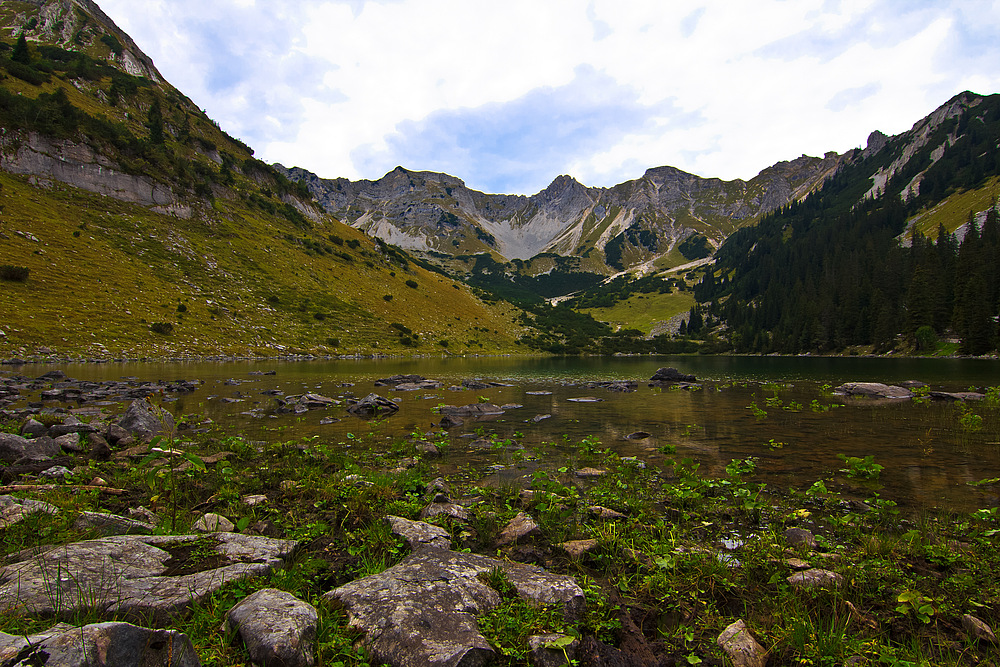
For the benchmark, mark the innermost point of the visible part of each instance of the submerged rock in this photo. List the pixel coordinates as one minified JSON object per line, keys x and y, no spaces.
{"x":873,"y":390}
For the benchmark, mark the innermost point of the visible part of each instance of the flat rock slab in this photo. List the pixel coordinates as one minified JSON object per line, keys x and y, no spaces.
{"x":471,"y":410}
{"x":423,"y":611}
{"x":99,"y":645}
{"x":135,"y":576}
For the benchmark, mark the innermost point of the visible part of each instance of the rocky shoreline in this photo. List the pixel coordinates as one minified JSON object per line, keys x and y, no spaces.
{"x":127,"y":544}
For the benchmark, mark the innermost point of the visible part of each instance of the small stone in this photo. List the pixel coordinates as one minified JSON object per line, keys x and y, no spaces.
{"x":591,"y":472}
{"x":605,"y":513}
{"x":456,"y":512}
{"x":418,"y":534}
{"x":797,"y":564}
{"x":98,"y":481}
{"x":800,"y":536}
{"x":69,"y":442}
{"x":578,"y":548}
{"x":741,"y":647}
{"x":213,"y":523}
{"x":553,"y":650}
{"x":57,"y":472}
{"x":520,"y":528}
{"x":34,"y":429}
{"x":815,"y":578}
{"x":254,"y":500}
{"x":977,"y":629}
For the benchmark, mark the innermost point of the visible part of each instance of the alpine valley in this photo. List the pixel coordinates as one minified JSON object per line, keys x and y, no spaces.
{"x":133,"y":226}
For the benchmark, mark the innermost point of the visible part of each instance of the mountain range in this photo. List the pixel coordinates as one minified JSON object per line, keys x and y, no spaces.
{"x":205,"y":249}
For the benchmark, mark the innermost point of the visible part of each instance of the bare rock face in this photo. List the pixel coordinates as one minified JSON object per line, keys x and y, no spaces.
{"x":278,"y":629}
{"x":112,"y":524}
{"x":81,"y":166}
{"x":423,"y":611}
{"x":134,"y":575}
{"x":99,"y":645}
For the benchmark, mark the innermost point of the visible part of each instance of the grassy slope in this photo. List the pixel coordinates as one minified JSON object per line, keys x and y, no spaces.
{"x":129,"y":268}
{"x":232,"y":279}
{"x":953,"y":212}
{"x":643,"y":311}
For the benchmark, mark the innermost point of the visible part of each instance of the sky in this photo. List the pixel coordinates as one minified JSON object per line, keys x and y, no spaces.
{"x":509,"y":94}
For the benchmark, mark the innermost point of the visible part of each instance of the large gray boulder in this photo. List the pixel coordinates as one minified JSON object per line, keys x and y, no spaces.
{"x":277,"y":628}
{"x":144,"y":421}
{"x":134,"y":576}
{"x":423,"y":611}
{"x":14,"y":448}
{"x":98,"y":645}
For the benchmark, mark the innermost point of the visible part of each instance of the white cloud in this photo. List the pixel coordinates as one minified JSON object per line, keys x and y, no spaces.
{"x":509,"y":95}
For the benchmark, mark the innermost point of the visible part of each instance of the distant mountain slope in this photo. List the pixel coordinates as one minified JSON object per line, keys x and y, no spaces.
{"x":849,"y":267}
{"x":608,"y":228}
{"x":131,"y":225}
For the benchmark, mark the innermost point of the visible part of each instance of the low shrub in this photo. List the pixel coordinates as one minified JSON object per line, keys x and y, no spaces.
{"x":17,"y":274}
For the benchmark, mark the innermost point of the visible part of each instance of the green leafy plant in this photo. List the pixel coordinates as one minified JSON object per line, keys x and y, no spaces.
{"x":860,"y":467}
{"x":914,"y":602}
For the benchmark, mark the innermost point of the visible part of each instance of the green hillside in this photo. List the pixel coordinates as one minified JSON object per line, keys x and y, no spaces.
{"x":201,"y":249}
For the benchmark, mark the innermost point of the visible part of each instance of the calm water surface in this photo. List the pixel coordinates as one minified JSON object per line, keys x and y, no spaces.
{"x":929,"y":459}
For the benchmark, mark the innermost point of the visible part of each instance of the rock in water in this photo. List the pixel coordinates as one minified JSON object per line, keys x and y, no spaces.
{"x":373,"y":405}
{"x":671,"y":375}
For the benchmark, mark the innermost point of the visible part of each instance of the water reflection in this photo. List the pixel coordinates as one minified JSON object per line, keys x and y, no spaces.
{"x":929,"y":460}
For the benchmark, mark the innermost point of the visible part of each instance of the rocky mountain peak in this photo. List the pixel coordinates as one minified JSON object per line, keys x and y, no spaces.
{"x":74,"y":24}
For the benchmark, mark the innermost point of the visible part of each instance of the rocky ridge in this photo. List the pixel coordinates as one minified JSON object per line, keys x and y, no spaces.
{"x":434,"y":212}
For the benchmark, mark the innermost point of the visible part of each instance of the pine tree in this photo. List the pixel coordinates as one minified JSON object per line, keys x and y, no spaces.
{"x":21,"y":54}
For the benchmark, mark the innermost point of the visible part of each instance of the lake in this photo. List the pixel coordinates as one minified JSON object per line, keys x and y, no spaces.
{"x":929,"y":459}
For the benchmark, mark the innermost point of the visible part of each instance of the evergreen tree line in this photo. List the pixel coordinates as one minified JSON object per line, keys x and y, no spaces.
{"x":829,"y":272}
